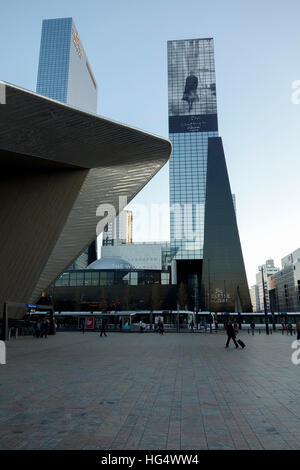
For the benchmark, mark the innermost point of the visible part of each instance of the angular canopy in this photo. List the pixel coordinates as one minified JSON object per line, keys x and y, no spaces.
{"x":58,"y":165}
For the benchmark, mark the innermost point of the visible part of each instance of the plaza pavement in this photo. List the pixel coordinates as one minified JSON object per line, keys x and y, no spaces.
{"x":146,"y":391}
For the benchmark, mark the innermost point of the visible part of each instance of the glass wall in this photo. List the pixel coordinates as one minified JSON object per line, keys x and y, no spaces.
{"x":112,"y":277}
{"x":192,"y":121}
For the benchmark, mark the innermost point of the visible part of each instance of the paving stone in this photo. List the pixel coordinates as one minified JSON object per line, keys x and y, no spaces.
{"x":133,"y":391}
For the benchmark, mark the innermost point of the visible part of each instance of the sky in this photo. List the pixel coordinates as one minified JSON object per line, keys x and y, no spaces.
{"x":257,"y":58}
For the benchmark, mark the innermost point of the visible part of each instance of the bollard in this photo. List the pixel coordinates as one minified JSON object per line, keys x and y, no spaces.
{"x":2,"y":353}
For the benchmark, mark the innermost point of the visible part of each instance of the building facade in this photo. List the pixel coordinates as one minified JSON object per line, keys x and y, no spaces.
{"x":265,"y":271}
{"x":199,"y":223}
{"x":55,"y":173}
{"x":155,"y":255}
{"x":192,"y":120}
{"x":286,"y":284}
{"x":254,"y":298}
{"x":64,"y":74}
{"x":118,"y":232}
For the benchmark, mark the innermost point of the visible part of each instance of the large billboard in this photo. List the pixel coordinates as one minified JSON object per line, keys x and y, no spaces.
{"x":192,"y":86}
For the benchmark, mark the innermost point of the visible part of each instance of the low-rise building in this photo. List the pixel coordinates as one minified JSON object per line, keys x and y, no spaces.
{"x":286,"y":288}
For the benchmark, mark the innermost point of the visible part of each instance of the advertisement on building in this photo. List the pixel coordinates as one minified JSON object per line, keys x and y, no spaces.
{"x":192,"y":86}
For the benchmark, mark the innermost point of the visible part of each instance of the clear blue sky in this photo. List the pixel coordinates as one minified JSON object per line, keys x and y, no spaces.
{"x":257,"y":47}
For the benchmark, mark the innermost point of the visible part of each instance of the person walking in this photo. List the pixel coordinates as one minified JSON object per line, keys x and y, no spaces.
{"x":298,"y":329}
{"x":103,"y":328}
{"x":42,"y":328}
{"x":252,"y":326}
{"x":38,"y":327}
{"x":230,"y":335}
{"x":290,"y":329}
{"x":192,"y":326}
{"x":45,"y":328}
{"x":160,"y":327}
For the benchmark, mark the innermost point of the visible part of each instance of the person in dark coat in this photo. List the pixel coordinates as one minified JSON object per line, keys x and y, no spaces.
{"x":298,"y":329}
{"x":103,"y":328}
{"x":38,"y":328}
{"x":230,"y":335}
{"x":189,"y":94}
{"x":45,"y":328}
{"x":160,"y":327}
{"x":290,"y":329}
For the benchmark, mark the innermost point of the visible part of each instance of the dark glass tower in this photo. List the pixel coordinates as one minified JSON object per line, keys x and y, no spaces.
{"x":224,"y":282}
{"x":192,"y":124}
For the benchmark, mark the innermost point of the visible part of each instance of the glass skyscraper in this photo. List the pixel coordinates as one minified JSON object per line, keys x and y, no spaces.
{"x":64,"y":74}
{"x":204,"y":238}
{"x":192,"y":120}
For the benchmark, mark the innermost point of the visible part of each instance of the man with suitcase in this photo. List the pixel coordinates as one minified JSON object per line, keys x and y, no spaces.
{"x":231,"y":335}
{"x":240,"y":342}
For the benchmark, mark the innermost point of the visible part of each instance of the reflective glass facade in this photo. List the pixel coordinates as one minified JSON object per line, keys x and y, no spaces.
{"x":64,"y":75}
{"x":54,"y":60}
{"x":112,"y":277}
{"x":192,"y":121}
{"x":224,"y":281}
{"x":64,"y":72}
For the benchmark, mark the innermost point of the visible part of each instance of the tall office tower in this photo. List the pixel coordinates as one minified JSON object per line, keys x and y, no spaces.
{"x":65,"y":75}
{"x":118,"y":232}
{"x":64,"y":72}
{"x":204,"y":236}
{"x":265,"y":271}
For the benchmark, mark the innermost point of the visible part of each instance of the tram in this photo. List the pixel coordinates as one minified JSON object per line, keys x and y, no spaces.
{"x":118,"y":320}
{"x":181,"y":319}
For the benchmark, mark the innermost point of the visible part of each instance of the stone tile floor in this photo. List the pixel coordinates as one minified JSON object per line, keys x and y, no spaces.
{"x":146,"y":391}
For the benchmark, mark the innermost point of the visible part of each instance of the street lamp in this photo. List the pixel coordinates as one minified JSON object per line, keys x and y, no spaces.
{"x":265,"y":302}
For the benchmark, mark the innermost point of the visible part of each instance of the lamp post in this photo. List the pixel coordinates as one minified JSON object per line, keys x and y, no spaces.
{"x":196,"y":300}
{"x":265,"y":302}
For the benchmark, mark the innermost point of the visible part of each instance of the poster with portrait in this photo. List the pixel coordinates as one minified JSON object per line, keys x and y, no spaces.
{"x":192,"y":86}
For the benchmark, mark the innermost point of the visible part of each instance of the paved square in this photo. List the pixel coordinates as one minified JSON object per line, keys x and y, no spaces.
{"x":146,"y":391}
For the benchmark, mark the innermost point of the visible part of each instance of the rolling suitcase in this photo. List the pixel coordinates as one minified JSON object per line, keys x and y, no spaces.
{"x":241,"y":343}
